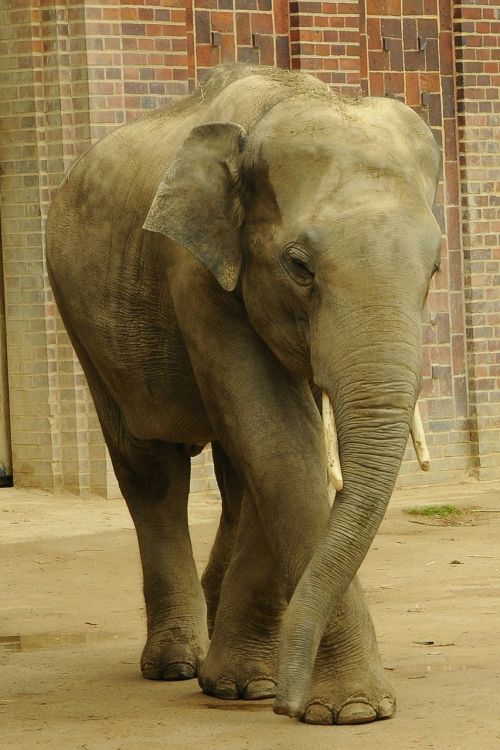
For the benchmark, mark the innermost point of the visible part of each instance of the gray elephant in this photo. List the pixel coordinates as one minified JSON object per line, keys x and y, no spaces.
{"x":212,"y":261}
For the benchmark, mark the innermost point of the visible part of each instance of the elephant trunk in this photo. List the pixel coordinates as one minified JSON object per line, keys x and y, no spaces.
{"x":374,"y":402}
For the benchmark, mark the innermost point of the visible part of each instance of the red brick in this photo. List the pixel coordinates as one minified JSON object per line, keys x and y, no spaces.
{"x":374,"y":33}
{"x":331,"y":63}
{"x":376,"y":7}
{"x":133,"y":29}
{"x":202,"y":26}
{"x":321,"y":22}
{"x":394,"y":83}
{"x":145,"y":14}
{"x":206,"y":56}
{"x":412,"y":89}
{"x":308,"y":35}
{"x":243,"y":34}
{"x":221,"y":21}
{"x":429,"y":81}
{"x":261,"y":23}
{"x":348,"y":8}
{"x":281,"y":19}
{"x":394,"y":7}
{"x":378,"y":60}
{"x":227,"y":48}
{"x":302,"y":21}
{"x":282,"y":52}
{"x":432,"y":55}
{"x":329,"y":35}
{"x":348,"y":64}
{"x":377,"y":84}
{"x":305,"y":6}
{"x":336,"y":22}
{"x":391,"y":27}
{"x":363,"y":55}
{"x":176,"y":16}
{"x":267,"y":50}
{"x":413,"y":7}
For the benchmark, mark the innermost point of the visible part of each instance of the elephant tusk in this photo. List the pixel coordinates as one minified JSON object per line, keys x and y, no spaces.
{"x":418,"y":437}
{"x":334,"y":471}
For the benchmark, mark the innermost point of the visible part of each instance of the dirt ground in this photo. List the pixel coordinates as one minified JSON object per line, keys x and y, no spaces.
{"x":72,"y":623}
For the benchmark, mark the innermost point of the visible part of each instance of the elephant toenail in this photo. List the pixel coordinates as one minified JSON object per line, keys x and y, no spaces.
{"x":227,"y":690}
{"x":179,"y":671}
{"x":356,"y":713}
{"x":150,"y":671}
{"x":259,"y":689}
{"x":386,"y":708}
{"x":317,"y":713}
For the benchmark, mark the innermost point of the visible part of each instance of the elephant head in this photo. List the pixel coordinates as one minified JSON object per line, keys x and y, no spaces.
{"x":321,"y":215}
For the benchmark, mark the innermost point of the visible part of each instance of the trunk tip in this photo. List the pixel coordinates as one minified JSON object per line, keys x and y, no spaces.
{"x":283,"y":708}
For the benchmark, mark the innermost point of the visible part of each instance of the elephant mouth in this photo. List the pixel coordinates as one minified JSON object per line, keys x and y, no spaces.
{"x":334,"y":469}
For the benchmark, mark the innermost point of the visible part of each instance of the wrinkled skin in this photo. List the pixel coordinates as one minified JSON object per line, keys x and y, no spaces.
{"x":289,"y":240}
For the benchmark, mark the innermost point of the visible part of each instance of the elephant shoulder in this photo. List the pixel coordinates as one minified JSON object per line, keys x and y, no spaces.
{"x":129,"y":161}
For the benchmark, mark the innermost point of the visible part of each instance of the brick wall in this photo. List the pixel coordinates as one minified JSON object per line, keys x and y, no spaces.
{"x":253,"y":31}
{"x":476,"y":28}
{"x":325,"y":41}
{"x":406,"y":52}
{"x":71,"y":71}
{"x":69,"y":74}
{"x":31,"y":334}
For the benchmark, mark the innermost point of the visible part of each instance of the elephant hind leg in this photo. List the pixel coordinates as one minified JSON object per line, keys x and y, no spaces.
{"x":231,"y":490}
{"x":154,"y":480}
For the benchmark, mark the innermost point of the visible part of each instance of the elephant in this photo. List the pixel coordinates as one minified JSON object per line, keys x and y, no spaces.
{"x":227,"y":268}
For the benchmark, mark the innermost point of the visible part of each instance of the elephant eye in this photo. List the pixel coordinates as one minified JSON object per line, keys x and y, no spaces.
{"x":296,"y":263}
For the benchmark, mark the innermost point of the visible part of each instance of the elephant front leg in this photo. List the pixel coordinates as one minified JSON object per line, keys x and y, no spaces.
{"x":349,"y":684}
{"x":242,"y":657}
{"x":271,"y":429}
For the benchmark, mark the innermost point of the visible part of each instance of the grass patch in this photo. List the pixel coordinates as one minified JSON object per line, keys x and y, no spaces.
{"x":443,"y":515}
{"x":434,"y":511}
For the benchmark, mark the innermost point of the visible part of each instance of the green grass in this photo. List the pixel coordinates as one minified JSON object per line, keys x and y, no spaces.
{"x":434,"y":511}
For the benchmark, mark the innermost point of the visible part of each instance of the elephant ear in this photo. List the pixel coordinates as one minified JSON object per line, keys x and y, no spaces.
{"x":198,"y":203}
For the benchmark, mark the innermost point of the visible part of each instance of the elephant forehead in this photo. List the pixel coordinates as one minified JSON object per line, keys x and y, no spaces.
{"x":318,"y":190}
{"x":341,"y":139}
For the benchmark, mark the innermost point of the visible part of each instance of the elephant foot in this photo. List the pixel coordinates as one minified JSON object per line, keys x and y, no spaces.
{"x":349,"y":685}
{"x":351,"y":700}
{"x":166,"y":660}
{"x":242,"y":658}
{"x":357,"y":697}
{"x":248,"y":680}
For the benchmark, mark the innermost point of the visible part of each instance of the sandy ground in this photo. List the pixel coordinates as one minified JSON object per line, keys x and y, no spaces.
{"x":72,"y":623}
